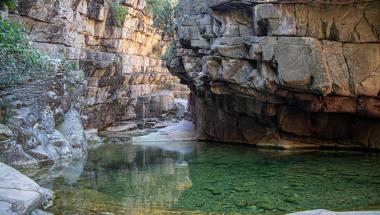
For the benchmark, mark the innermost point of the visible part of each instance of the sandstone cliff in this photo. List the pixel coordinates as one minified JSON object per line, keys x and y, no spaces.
{"x":119,"y":55}
{"x":287,"y":73}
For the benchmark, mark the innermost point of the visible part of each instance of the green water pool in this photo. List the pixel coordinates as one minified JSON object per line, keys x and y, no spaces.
{"x":123,"y":177}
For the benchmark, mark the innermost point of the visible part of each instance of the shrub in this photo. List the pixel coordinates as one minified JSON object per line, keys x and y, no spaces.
{"x":71,"y":69}
{"x":163,"y":15}
{"x":120,"y":13}
{"x":19,"y":61}
{"x":10,"y":4}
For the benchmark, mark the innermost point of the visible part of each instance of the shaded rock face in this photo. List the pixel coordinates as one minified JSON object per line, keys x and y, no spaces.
{"x":43,"y":122}
{"x":282,"y":73}
{"x":121,"y":60}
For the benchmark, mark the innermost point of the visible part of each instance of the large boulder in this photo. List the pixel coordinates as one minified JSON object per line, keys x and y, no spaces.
{"x":73,"y":131}
{"x":20,"y":194}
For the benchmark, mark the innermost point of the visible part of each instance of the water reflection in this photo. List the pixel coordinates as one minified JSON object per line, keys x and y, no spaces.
{"x":123,"y":176}
{"x":118,"y":177}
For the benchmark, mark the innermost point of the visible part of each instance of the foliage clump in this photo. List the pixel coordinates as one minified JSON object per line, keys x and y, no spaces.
{"x":19,"y":61}
{"x":163,"y":15}
{"x":10,"y":4}
{"x":163,"y":12}
{"x":120,"y":13}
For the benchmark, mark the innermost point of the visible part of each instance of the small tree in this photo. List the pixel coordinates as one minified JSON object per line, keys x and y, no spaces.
{"x":10,"y":4}
{"x":120,"y":12}
{"x":163,"y":15}
{"x":163,"y":19}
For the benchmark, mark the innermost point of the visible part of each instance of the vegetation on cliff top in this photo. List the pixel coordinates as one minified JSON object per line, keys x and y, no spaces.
{"x":10,"y":4}
{"x":163,"y":15}
{"x":163,"y":19}
{"x":120,"y":12}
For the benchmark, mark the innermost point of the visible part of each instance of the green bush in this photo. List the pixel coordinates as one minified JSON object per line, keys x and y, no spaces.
{"x":19,"y":61}
{"x":163,"y":15}
{"x":11,"y":4}
{"x":120,"y":13}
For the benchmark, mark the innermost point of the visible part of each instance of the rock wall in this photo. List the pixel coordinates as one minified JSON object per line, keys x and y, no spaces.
{"x":282,"y":73}
{"x":121,"y":60}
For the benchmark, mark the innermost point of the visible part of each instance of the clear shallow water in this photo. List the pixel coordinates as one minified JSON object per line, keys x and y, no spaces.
{"x":122,"y":177}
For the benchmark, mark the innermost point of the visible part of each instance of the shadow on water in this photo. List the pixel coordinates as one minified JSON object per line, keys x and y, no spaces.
{"x":126,"y":177}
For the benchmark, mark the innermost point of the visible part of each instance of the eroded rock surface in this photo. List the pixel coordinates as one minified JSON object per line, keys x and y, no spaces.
{"x":277,"y":72}
{"x":43,"y":123}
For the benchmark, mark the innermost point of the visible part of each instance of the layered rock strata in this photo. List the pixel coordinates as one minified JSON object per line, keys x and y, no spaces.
{"x":282,"y":73}
{"x":120,"y":57}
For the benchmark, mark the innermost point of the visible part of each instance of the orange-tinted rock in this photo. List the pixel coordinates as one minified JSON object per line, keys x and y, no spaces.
{"x":121,"y":60}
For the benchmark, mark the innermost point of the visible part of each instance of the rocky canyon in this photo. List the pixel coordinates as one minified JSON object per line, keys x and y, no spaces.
{"x":121,"y":75}
{"x":161,"y":106}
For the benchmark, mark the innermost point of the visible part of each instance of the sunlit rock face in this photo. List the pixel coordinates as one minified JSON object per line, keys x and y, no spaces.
{"x":121,"y":59}
{"x":282,"y":73}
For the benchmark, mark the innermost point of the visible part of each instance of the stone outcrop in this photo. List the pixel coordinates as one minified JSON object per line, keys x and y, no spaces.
{"x":121,"y":59}
{"x":43,"y":123}
{"x":282,"y":73}
{"x":20,"y":194}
